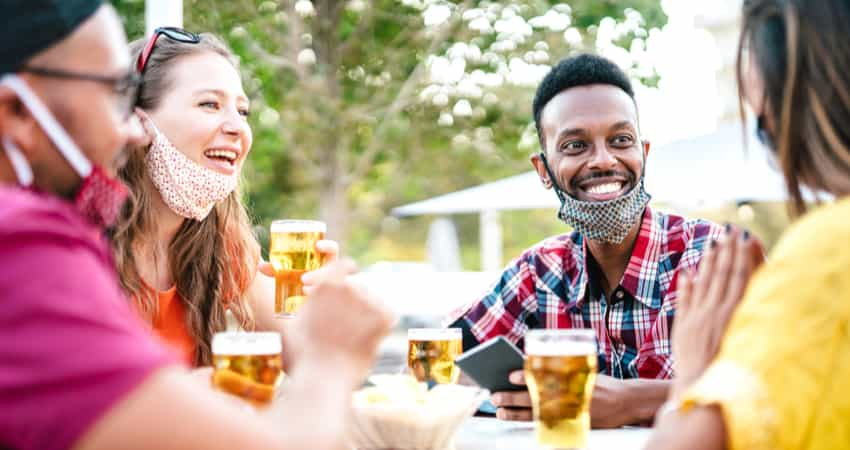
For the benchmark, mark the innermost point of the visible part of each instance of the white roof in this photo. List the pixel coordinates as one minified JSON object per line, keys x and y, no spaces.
{"x":522,"y":191}
{"x":703,"y":171}
{"x":714,"y":169}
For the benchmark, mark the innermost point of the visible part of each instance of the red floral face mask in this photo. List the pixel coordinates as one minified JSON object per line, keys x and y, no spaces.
{"x":99,"y":197}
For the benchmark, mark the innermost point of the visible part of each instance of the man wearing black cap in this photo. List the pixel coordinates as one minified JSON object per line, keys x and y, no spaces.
{"x":77,"y":367}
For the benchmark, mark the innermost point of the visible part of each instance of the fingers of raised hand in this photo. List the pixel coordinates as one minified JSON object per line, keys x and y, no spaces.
{"x":335,"y":271}
{"x":757,"y":253}
{"x":266,"y":268}
{"x":517,"y":377}
{"x":702,"y":281}
{"x":523,"y":415}
{"x":520,"y":399}
{"x":329,"y":250}
{"x":723,"y":267}
{"x":684,"y":291}
{"x":742,"y":269}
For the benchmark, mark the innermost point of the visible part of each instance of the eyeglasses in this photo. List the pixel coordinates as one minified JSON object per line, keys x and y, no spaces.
{"x":173,"y":33}
{"x":126,"y":86}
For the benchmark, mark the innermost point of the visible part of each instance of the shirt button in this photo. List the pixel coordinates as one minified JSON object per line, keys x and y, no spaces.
{"x":619,"y":294}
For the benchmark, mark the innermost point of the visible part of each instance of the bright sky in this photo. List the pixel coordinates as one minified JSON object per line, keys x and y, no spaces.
{"x":696,"y":67}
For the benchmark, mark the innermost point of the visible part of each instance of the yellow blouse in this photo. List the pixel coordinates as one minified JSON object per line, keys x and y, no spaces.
{"x":782,"y":377}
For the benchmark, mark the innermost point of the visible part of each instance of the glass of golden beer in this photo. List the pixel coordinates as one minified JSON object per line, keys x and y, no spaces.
{"x":560,"y":369}
{"x":248,"y":365}
{"x":292,"y":253}
{"x":431,"y":354}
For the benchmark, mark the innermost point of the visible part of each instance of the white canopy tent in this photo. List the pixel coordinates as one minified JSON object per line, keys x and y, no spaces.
{"x":699,"y":172}
{"x":713,"y":170}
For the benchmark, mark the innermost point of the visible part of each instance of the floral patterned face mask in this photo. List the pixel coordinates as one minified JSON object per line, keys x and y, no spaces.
{"x":188,"y":188}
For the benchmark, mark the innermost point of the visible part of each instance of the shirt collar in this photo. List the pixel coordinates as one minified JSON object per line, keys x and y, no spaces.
{"x":644,"y":262}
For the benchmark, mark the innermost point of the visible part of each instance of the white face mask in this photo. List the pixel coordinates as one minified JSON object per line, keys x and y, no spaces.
{"x":100,"y":196}
{"x":188,"y":188}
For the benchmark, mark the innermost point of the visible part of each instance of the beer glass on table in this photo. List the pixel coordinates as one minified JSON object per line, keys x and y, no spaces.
{"x":293,"y":252}
{"x":431,"y":354}
{"x":560,"y":370}
{"x":248,"y":365}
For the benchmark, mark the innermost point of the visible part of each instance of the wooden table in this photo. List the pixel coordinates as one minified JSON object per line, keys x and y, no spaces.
{"x":479,"y":433}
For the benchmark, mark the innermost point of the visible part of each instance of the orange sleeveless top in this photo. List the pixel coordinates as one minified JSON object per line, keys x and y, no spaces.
{"x":170,"y":325}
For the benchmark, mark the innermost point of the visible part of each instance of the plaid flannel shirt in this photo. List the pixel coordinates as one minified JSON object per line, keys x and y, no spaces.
{"x":549,"y":286}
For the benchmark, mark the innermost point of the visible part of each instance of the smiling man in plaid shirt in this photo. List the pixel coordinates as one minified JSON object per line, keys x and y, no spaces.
{"x":616,"y":272}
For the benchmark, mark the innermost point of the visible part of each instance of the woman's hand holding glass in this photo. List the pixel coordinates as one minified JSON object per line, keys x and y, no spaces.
{"x":329,"y":250}
{"x":291,"y":261}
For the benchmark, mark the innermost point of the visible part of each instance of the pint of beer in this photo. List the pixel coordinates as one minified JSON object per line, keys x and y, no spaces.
{"x":248,"y":365}
{"x":431,"y":354}
{"x":293,"y":252}
{"x":560,"y":369}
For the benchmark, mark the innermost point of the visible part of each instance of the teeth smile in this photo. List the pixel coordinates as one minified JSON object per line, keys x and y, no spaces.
{"x":229,"y":155}
{"x":606,"y":188}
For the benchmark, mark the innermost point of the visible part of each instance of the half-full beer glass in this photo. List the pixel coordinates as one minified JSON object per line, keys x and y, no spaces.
{"x":292,"y":253}
{"x":248,"y":365}
{"x":431,"y":354}
{"x":560,"y":369}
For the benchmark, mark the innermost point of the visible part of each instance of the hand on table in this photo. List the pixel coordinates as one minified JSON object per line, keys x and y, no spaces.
{"x":614,"y":402}
{"x":513,"y":405}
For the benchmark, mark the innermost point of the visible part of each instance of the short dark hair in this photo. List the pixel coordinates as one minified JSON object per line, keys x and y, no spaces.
{"x":579,"y":70}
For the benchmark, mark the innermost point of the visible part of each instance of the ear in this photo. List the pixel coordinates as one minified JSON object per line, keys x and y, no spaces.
{"x":645,"y":148}
{"x":537,"y":162}
{"x":148,"y":129}
{"x":16,"y":122}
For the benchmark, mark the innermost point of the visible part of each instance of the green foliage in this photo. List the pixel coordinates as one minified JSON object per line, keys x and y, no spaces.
{"x":348,"y":137}
{"x":132,"y":13}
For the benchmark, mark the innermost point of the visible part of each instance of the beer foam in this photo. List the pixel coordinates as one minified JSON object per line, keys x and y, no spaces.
{"x":298,"y":226}
{"x":560,"y":348}
{"x":433,"y":334}
{"x":560,"y":342}
{"x":241,"y":343}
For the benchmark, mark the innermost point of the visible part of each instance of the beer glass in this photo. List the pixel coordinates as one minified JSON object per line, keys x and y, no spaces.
{"x":248,"y":365}
{"x":431,"y":354}
{"x":560,"y":369}
{"x":292,"y":253}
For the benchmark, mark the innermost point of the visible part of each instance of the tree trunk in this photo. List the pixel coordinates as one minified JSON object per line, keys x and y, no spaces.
{"x":333,"y":198}
{"x":334,"y":210}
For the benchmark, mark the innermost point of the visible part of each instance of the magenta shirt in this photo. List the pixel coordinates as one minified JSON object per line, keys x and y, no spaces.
{"x":71,"y":347}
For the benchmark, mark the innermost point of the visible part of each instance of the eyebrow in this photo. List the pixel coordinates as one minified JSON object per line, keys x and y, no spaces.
{"x":622,"y":124}
{"x":569,"y":132}
{"x":219,"y":93}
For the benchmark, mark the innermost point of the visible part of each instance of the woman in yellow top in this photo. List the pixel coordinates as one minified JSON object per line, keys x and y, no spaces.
{"x":184,"y":247}
{"x":776,"y":377}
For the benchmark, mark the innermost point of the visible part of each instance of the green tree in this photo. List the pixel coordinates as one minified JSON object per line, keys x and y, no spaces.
{"x":361,"y":105}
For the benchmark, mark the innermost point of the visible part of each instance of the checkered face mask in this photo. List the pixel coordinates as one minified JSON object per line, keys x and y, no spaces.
{"x":608,"y":221}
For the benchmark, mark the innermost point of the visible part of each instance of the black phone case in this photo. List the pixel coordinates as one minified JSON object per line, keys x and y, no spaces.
{"x":489,"y":364}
